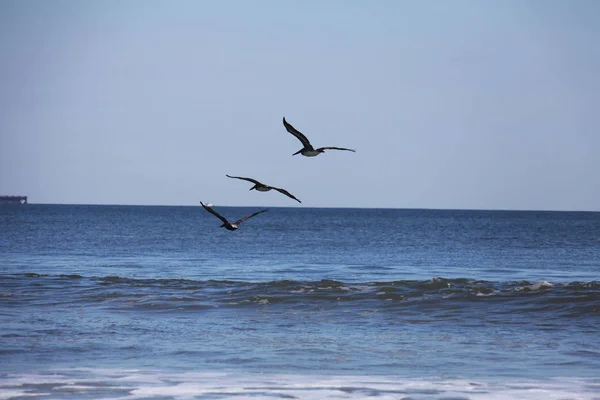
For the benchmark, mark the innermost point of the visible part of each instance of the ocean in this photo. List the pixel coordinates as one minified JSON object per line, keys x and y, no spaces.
{"x":153,"y":302}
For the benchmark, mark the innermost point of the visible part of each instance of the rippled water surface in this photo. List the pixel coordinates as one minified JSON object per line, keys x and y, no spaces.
{"x":140,"y":302}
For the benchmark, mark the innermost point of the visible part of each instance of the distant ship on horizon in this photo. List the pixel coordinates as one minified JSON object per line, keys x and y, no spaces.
{"x":13,"y":199}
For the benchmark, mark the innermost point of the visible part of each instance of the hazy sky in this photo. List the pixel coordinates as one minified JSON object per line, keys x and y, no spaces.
{"x":449,"y":104}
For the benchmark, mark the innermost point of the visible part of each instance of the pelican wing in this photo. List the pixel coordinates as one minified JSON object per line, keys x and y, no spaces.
{"x":239,"y":221}
{"x":245,"y":179}
{"x":335,"y":148}
{"x":288,"y":194}
{"x":297,"y":133}
{"x":213,"y":212}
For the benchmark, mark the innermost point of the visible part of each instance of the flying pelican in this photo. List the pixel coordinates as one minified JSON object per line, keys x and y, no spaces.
{"x":308,"y":150}
{"x":226,"y":224}
{"x":261,"y":187}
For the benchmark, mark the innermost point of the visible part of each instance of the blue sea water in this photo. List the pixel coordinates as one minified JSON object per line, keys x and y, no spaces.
{"x":136,"y":302}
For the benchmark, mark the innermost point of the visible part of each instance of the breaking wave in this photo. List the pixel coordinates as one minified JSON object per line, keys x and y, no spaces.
{"x":436,"y":295}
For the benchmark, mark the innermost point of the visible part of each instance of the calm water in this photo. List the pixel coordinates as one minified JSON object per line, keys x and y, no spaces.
{"x":161,"y":303}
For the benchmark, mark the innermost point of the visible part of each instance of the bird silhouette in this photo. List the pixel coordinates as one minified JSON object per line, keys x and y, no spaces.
{"x":226,"y":224}
{"x":308,"y":150}
{"x":261,"y":187}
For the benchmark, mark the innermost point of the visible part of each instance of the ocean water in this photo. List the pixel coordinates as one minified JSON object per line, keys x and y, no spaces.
{"x":125,"y":302}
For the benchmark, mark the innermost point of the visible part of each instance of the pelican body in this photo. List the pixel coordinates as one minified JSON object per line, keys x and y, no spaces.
{"x":226,"y":224}
{"x":308,"y":150}
{"x":261,"y":187}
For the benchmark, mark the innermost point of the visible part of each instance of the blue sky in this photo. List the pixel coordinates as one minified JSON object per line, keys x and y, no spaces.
{"x":449,"y":104}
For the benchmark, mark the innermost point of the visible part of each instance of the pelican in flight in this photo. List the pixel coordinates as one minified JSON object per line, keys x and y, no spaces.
{"x":261,"y":187}
{"x":226,"y":224}
{"x":308,"y":150}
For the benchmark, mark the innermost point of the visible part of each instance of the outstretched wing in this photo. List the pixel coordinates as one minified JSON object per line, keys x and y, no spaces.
{"x":239,"y":221}
{"x":296,"y":133}
{"x":335,"y":148}
{"x":213,"y":212}
{"x":245,"y":179}
{"x":288,"y":194}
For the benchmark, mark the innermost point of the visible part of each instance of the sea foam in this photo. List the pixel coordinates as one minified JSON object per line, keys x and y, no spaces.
{"x":142,"y":384}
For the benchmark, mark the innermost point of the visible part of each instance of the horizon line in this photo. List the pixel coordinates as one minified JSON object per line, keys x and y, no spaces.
{"x":314,"y":207}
